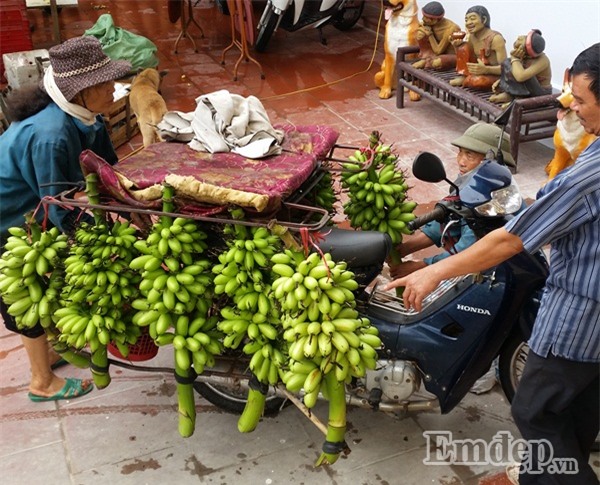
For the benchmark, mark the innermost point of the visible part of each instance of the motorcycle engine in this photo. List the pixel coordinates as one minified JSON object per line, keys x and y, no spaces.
{"x":397,"y":380}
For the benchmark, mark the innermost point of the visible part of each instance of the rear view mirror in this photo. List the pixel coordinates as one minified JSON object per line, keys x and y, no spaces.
{"x":428,"y":168}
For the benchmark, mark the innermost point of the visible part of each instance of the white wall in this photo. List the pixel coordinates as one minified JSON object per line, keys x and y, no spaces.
{"x":568,"y":26}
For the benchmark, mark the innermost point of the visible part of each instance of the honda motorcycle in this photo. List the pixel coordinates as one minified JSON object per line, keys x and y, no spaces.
{"x":294,"y":15}
{"x":438,"y":353}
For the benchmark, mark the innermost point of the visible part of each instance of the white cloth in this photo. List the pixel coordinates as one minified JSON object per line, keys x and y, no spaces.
{"x":82,"y":114}
{"x":224,"y":122}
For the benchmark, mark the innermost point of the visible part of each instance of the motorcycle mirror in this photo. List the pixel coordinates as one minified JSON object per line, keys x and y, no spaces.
{"x":502,"y":118}
{"x":428,"y":168}
{"x":502,"y":121}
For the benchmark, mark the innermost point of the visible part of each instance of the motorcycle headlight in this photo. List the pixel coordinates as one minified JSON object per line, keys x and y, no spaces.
{"x":504,"y":201}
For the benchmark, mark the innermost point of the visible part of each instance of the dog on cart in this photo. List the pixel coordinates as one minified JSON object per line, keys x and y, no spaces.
{"x":147,"y":103}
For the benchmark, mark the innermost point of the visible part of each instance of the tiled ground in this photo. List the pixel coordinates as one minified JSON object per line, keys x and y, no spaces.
{"x":127,"y":433}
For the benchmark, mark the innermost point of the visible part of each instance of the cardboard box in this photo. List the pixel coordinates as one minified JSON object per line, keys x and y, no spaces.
{"x":25,"y":68}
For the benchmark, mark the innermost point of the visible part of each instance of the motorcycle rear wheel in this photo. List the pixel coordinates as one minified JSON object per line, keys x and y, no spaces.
{"x":266,"y":29}
{"x":349,"y":15}
{"x":234,"y":402}
{"x":511,"y":364}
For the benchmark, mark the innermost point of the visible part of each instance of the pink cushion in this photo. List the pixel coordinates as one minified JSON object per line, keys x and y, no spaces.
{"x":276,"y":176}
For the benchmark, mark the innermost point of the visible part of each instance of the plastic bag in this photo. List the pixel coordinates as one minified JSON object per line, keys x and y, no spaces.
{"x":120,"y":44}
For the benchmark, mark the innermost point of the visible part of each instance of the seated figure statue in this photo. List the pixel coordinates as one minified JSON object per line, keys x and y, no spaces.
{"x":479,"y":53}
{"x":526,"y":73}
{"x":433,"y":36}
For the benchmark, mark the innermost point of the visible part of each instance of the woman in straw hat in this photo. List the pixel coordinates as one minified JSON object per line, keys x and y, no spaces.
{"x":52,"y":125}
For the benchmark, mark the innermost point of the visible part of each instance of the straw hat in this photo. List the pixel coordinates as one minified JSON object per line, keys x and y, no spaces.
{"x":80,"y":63}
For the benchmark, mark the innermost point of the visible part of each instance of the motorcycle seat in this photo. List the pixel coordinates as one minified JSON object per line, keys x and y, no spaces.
{"x":357,"y":248}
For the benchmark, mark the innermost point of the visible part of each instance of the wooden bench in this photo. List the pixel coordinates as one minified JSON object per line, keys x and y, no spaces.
{"x":531,"y":119}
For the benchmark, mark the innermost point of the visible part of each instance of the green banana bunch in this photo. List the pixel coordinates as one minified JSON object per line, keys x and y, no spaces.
{"x":26,"y":266}
{"x":98,"y":286}
{"x":249,"y":319}
{"x":249,"y":249}
{"x":175,"y":277}
{"x":322,"y":327}
{"x":377,"y":196}
{"x":323,"y":194}
{"x":243,"y":278}
{"x":175,"y":299}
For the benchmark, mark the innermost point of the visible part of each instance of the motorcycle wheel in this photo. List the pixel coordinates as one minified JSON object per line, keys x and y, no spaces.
{"x":349,"y":15}
{"x":266,"y":29}
{"x":511,"y":364}
{"x":234,"y":402}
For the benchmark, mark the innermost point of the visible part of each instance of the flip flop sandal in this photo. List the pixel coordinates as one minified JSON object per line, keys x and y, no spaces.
{"x":73,"y":388}
{"x":59,"y":363}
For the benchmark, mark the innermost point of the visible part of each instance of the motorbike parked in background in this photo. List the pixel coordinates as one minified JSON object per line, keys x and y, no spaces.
{"x":294,"y":15}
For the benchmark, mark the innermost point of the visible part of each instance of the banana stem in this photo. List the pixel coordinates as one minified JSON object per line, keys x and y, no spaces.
{"x":100,"y":367}
{"x":254,"y":408}
{"x":168,"y":204}
{"x":288,"y":239}
{"x":93,"y":195}
{"x":34,"y":228}
{"x":185,"y":400}
{"x":336,"y":425}
{"x":80,"y":360}
{"x":395,"y":258}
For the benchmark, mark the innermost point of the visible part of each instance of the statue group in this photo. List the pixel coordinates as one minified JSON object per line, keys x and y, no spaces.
{"x":479,"y":54}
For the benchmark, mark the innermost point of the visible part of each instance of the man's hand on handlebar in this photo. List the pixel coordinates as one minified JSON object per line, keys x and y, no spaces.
{"x":417,"y":286}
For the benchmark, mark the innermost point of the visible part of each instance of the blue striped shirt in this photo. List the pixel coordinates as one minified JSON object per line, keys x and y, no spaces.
{"x":566,"y":215}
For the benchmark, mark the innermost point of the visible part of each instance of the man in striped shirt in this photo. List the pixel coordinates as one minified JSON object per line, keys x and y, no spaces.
{"x":558,"y":398}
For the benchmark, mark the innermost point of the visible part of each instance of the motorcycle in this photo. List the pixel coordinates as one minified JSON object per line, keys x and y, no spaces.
{"x":464,"y":325}
{"x":342,"y":14}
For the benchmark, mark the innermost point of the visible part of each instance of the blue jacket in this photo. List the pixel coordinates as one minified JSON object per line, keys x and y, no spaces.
{"x":462,"y":236}
{"x":41,"y":149}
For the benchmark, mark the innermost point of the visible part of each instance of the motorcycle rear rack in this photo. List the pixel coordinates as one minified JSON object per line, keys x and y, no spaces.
{"x":112,"y":206}
{"x":389,"y":301}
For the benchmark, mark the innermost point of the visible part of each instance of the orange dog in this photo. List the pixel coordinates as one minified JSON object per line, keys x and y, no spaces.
{"x":570,"y":139}
{"x":147,"y":104}
{"x":400,"y":31}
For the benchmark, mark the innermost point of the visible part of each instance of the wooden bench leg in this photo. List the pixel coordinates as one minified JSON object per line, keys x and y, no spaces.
{"x":515,"y":132}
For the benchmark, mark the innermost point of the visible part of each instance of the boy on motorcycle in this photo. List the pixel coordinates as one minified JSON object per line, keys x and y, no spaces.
{"x":473,"y":147}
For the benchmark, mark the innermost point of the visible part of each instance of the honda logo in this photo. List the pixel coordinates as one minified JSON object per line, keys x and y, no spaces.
{"x":472,"y":309}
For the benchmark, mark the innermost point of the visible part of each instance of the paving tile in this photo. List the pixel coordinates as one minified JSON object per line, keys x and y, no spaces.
{"x":43,"y":465}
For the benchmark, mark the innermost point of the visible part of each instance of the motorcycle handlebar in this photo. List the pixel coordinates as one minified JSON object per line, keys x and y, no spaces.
{"x":437,"y":213}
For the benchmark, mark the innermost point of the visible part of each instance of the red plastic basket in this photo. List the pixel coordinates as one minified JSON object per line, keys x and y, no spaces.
{"x":143,"y":349}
